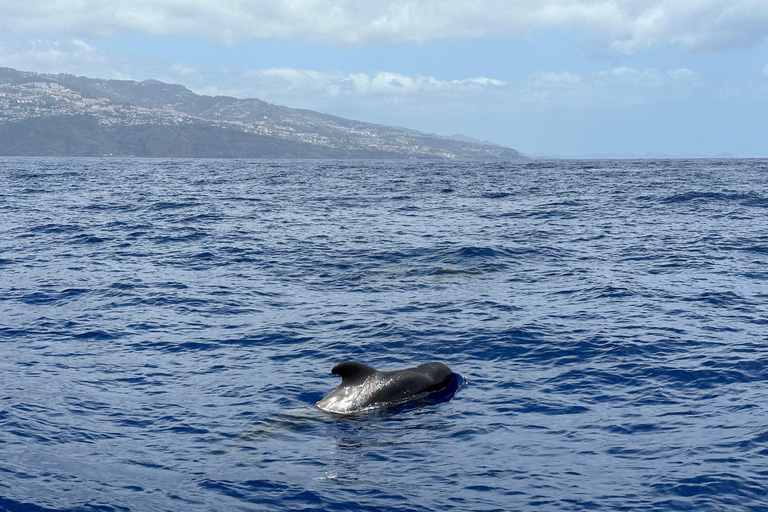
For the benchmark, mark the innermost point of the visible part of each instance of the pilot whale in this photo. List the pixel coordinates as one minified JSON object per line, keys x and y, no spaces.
{"x":365,"y":388}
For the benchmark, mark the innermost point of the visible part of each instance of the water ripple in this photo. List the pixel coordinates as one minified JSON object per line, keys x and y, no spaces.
{"x":167,"y":325}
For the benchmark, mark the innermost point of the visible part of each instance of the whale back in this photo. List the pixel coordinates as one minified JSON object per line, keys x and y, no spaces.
{"x":363,"y":387}
{"x":425,"y":378}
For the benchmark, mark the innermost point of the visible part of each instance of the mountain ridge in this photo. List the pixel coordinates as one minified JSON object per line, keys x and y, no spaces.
{"x":67,"y":115}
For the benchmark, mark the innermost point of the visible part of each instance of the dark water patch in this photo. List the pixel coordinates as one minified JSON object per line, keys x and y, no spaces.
{"x":88,"y":239}
{"x":55,"y":229}
{"x":746,"y":199}
{"x":204,"y":217}
{"x":497,"y":195}
{"x":96,"y":335}
{"x":470,"y":256}
{"x":759,"y":249}
{"x":53,"y":296}
{"x":203,"y":256}
{"x":720,"y":299}
{"x":171,"y":205}
{"x":173,"y":285}
{"x":476,"y":252}
{"x":12,"y":334}
{"x":702,"y":379}
{"x":597,"y":293}
{"x":710,"y":485}
{"x":191,"y":236}
{"x":110,"y":207}
{"x":126,"y":286}
{"x":16,"y":506}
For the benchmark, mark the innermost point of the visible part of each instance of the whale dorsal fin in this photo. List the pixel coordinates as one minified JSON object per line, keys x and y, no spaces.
{"x":352,"y":372}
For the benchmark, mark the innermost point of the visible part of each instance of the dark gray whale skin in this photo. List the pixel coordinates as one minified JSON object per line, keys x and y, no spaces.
{"x":363,"y":387}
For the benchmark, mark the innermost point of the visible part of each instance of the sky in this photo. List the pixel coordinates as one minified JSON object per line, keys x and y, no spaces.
{"x":554,"y":77}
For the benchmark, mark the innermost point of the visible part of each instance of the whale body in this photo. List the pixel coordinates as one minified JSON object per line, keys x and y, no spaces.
{"x":363,"y":388}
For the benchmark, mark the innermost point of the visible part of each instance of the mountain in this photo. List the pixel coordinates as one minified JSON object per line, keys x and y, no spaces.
{"x":465,"y":138}
{"x":67,"y":115}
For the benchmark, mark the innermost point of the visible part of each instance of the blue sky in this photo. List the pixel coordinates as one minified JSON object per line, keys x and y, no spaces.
{"x":562,"y":77}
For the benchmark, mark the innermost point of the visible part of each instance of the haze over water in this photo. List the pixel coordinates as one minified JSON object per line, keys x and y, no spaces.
{"x":167,"y":325}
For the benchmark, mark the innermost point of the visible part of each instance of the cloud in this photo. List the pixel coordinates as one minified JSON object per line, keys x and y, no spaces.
{"x":358,"y":84}
{"x":394,"y":92}
{"x":623,"y":25}
{"x":68,"y":56}
{"x":351,"y":93}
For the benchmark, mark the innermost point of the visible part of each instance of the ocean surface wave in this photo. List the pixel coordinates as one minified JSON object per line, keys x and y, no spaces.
{"x":167,"y":325}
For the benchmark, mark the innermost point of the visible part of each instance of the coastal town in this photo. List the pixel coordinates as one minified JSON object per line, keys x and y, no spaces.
{"x":45,"y":99}
{"x":25,"y":95}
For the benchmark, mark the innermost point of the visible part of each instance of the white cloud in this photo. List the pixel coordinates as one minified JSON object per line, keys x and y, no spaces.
{"x":358,"y":84}
{"x":624,"y":25}
{"x":348,"y":94}
{"x":68,"y":56}
{"x":342,"y":92}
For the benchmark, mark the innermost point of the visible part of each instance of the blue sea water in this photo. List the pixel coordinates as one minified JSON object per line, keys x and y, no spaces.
{"x":167,"y":325}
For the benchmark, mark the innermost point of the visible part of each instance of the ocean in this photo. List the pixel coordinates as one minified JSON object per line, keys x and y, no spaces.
{"x":166,"y":327}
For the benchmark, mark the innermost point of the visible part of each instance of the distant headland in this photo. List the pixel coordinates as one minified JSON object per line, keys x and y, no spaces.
{"x":67,"y":115}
